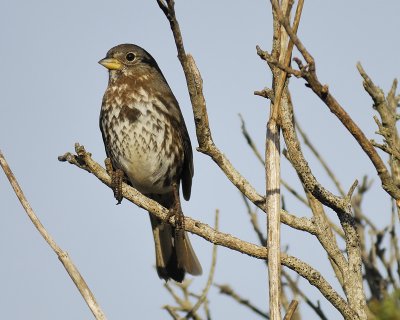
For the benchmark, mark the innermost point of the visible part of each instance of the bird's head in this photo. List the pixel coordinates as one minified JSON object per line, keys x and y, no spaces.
{"x":128,"y":58}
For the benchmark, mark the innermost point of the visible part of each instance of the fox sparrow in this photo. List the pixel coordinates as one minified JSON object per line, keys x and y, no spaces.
{"x":145,"y":137}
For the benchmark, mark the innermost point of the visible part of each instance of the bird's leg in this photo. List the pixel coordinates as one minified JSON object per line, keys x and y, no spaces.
{"x":176,"y":209}
{"x":117,"y":176}
{"x":116,"y":181}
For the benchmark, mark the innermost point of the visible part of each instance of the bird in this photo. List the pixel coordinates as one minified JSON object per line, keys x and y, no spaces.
{"x":146,"y":139}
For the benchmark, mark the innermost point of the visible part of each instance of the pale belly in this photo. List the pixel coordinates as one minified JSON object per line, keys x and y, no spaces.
{"x":143,"y":149}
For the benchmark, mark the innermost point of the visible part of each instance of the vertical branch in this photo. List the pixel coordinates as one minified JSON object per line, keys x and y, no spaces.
{"x":282,"y":50}
{"x":272,"y":171}
{"x":62,"y":255}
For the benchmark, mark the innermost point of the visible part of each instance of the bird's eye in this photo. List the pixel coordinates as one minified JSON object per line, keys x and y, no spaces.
{"x":130,"y":56}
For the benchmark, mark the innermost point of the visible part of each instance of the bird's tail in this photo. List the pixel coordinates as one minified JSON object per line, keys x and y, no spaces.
{"x":174,"y":253}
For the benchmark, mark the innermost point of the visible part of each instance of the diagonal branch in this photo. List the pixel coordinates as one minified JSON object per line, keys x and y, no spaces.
{"x":324,"y":164}
{"x":210,"y":234}
{"x":204,"y":137}
{"x":62,"y":255}
{"x":203,"y":132}
{"x":227,"y":290}
{"x":342,"y":206}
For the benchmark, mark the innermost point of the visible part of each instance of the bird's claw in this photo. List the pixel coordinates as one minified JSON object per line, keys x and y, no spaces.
{"x":116,"y":184}
{"x":176,"y":210}
{"x":117,"y":177}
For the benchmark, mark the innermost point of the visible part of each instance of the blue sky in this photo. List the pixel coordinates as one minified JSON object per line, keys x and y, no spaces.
{"x":52,"y":87}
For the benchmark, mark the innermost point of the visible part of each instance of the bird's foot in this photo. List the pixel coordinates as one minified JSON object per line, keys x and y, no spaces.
{"x":117,"y":177}
{"x":116,"y":181}
{"x":176,"y":210}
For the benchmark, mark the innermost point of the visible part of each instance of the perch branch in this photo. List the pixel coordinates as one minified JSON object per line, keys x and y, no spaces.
{"x":213,"y":236}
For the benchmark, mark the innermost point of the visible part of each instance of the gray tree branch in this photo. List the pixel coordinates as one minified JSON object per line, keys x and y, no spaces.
{"x":62,"y":255}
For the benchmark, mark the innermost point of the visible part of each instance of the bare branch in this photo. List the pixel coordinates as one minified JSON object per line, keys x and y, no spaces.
{"x":327,"y":239}
{"x":257,"y":153}
{"x":227,"y":290}
{"x":203,"y":296}
{"x":63,"y":256}
{"x":172,"y":312}
{"x":395,"y":242}
{"x":322,"y":91}
{"x":330,"y":173}
{"x":250,"y":141}
{"x":219,"y":238}
{"x":272,"y":160}
{"x":296,"y":290}
{"x":302,"y":168}
{"x":342,"y":206}
{"x":203,"y":132}
{"x":386,"y":107}
{"x":266,"y":93}
{"x":291,"y":310}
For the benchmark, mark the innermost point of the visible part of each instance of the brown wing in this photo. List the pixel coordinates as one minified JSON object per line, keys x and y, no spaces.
{"x":106,"y":141}
{"x":188,"y":169}
{"x":103,"y":134}
{"x":167,"y":98}
{"x":160,"y":88}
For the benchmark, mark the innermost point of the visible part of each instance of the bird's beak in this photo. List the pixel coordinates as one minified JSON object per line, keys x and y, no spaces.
{"x":111,"y":63}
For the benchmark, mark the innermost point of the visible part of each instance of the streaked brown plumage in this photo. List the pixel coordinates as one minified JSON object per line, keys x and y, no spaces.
{"x":145,"y":136}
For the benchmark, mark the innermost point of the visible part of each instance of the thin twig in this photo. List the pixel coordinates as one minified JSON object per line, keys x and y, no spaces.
{"x":254,"y":222}
{"x":330,"y":173}
{"x":257,"y":153}
{"x":387,"y":109}
{"x":250,"y":141}
{"x":296,"y":289}
{"x":62,"y":255}
{"x":203,"y":296}
{"x":294,"y":193}
{"x":172,"y":312}
{"x":395,"y":242}
{"x":322,"y":91}
{"x":291,"y":310}
{"x":227,"y":290}
{"x":285,"y":274}
{"x":286,"y":60}
{"x":173,"y":294}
